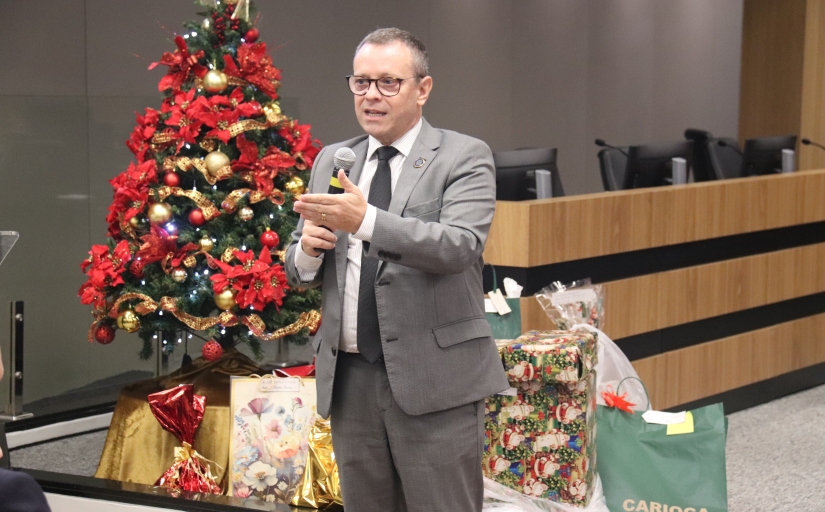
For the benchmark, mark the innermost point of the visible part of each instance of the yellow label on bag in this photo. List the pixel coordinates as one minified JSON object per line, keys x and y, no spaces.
{"x":653,"y":506}
{"x":686,"y":427}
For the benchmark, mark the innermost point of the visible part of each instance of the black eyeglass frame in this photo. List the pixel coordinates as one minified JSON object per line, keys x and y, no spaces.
{"x":371,"y":80}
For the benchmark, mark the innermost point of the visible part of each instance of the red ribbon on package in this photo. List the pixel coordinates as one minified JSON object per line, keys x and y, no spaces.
{"x":180,"y":411}
{"x":614,"y":400}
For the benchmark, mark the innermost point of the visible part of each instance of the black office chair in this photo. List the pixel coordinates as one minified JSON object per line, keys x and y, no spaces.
{"x":612,"y":164}
{"x":702,"y":167}
{"x":725,"y":158}
{"x":516,"y":173}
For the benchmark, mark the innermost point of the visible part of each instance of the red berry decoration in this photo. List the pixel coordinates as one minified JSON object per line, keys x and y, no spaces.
{"x":212,"y":350}
{"x":171,"y":179}
{"x":270,"y":239}
{"x":104,"y":334}
{"x":196,"y":217}
{"x":251,"y":35}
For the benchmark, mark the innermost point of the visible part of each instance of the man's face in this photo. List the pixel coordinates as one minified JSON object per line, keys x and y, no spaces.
{"x":388,"y":118}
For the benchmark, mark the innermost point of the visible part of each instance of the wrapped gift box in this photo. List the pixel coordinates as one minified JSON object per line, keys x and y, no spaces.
{"x":541,"y":432}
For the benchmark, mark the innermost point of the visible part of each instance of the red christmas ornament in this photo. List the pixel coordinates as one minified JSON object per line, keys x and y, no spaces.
{"x":270,"y":239}
{"x":196,"y":217}
{"x":251,"y":35}
{"x":104,"y":334}
{"x":171,"y":179}
{"x":212,"y":350}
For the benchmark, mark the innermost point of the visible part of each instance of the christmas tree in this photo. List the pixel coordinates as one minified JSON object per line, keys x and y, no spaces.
{"x":198,"y":224}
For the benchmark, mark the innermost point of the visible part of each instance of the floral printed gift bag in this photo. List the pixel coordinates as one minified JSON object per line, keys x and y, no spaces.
{"x":272,"y":422}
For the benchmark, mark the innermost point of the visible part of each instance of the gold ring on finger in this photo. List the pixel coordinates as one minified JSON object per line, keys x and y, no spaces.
{"x":323,"y":217}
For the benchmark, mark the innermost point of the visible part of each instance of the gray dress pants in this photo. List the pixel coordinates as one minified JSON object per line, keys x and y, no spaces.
{"x":390,"y":461}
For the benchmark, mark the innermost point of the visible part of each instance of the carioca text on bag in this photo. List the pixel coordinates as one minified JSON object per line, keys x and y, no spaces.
{"x":653,"y":506}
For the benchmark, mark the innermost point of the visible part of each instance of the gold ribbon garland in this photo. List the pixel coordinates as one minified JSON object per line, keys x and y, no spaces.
{"x":186,"y":164}
{"x":307,"y":319}
{"x":230,"y":202}
{"x":209,"y":209}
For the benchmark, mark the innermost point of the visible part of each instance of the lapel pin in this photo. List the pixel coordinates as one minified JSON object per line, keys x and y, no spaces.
{"x":419,"y":163}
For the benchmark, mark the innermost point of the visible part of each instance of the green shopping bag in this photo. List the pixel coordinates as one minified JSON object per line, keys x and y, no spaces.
{"x":507,"y":326}
{"x":644,"y":469}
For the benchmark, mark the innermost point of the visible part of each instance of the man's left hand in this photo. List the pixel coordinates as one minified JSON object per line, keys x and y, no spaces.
{"x":336,"y":211}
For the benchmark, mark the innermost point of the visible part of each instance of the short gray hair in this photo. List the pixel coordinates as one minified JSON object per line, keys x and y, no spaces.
{"x":385,"y":36}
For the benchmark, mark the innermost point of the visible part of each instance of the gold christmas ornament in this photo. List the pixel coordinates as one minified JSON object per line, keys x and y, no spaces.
{"x":215,"y":81}
{"x":246,"y":214}
{"x":137,"y":222}
{"x":179,"y":275}
{"x":206,"y":244}
{"x":226,"y":299}
{"x":128,"y":321}
{"x":272,"y":110}
{"x":160,"y":213}
{"x":206,"y":24}
{"x":215,"y":161}
{"x":295,"y":186}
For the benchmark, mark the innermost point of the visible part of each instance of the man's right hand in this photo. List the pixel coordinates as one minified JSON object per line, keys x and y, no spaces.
{"x":314,"y":238}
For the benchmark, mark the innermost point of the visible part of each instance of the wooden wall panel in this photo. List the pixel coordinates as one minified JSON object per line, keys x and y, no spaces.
{"x":812,"y":124}
{"x":773,"y":43}
{"x":695,"y":293}
{"x":534,"y":233}
{"x":685,"y":375}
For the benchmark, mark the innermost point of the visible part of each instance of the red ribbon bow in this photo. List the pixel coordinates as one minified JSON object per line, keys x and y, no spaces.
{"x":619,"y":402}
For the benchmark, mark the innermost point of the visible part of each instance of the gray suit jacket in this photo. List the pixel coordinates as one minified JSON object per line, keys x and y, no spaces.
{"x":438,"y":347}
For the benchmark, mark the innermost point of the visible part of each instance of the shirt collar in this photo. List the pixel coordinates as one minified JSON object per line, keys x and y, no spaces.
{"x":403,"y":145}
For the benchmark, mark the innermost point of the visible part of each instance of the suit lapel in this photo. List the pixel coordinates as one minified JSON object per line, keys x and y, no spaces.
{"x":360,"y":150}
{"x":421,"y":156}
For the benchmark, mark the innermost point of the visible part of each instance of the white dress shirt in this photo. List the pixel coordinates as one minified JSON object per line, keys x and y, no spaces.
{"x":308,"y":265}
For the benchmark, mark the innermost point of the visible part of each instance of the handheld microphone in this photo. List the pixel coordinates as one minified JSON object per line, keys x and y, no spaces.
{"x":809,"y":142}
{"x":602,"y":144}
{"x":343,"y":160}
{"x":724,"y":144}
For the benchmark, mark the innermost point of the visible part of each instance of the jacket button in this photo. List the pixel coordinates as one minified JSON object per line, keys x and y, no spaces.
{"x":334,"y":351}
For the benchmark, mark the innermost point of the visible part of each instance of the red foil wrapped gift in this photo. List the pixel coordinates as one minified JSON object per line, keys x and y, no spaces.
{"x":180,"y":411}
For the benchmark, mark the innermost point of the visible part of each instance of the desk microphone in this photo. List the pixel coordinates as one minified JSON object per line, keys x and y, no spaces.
{"x":343,"y":160}
{"x":809,"y":142}
{"x":724,"y":144}
{"x":602,"y":144}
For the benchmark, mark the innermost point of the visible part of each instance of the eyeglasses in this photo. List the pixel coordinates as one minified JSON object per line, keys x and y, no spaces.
{"x":387,"y":85}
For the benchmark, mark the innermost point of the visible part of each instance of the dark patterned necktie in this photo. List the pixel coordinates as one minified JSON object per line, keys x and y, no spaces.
{"x":369,"y":334}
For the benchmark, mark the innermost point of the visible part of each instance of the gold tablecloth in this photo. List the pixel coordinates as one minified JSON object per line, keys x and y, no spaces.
{"x":138,"y":450}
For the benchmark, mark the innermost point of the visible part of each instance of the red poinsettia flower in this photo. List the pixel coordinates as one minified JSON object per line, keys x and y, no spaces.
{"x":254,"y":66}
{"x":180,"y":63}
{"x":185,"y":113}
{"x":157,"y":244}
{"x":139,"y":139}
{"x":225,"y":111}
{"x":302,"y":146}
{"x":264,"y":169}
{"x":104,"y":269}
{"x":256,"y":280}
{"x":131,"y":193}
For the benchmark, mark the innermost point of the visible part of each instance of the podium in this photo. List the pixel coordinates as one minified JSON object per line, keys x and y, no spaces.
{"x":13,"y":410}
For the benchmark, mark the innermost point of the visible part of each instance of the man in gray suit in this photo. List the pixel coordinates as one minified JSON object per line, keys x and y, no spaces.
{"x":404,"y":355}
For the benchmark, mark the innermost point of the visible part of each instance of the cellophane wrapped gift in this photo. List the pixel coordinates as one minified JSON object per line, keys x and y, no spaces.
{"x":180,"y":411}
{"x":280,"y":449}
{"x":540,"y":434}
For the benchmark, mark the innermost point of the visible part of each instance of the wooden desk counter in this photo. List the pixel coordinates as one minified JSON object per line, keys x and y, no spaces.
{"x":708,"y":270}
{"x":576,"y":227}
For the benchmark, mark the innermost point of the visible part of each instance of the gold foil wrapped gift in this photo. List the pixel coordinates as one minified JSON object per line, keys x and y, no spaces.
{"x":280,"y":449}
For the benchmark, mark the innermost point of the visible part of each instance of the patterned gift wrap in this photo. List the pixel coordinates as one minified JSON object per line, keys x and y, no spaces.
{"x":541,"y":436}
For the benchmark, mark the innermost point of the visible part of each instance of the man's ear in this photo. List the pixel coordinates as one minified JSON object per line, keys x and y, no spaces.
{"x":424,"y":88}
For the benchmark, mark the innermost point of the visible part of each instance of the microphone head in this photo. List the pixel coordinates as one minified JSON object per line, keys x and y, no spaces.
{"x":600,"y":142}
{"x":806,"y":141}
{"x":344,"y":158}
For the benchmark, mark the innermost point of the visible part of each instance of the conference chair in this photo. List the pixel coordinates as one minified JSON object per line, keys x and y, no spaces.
{"x":516,"y":173}
{"x":725,"y":158}
{"x":702,"y":167}
{"x":612,"y":164}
